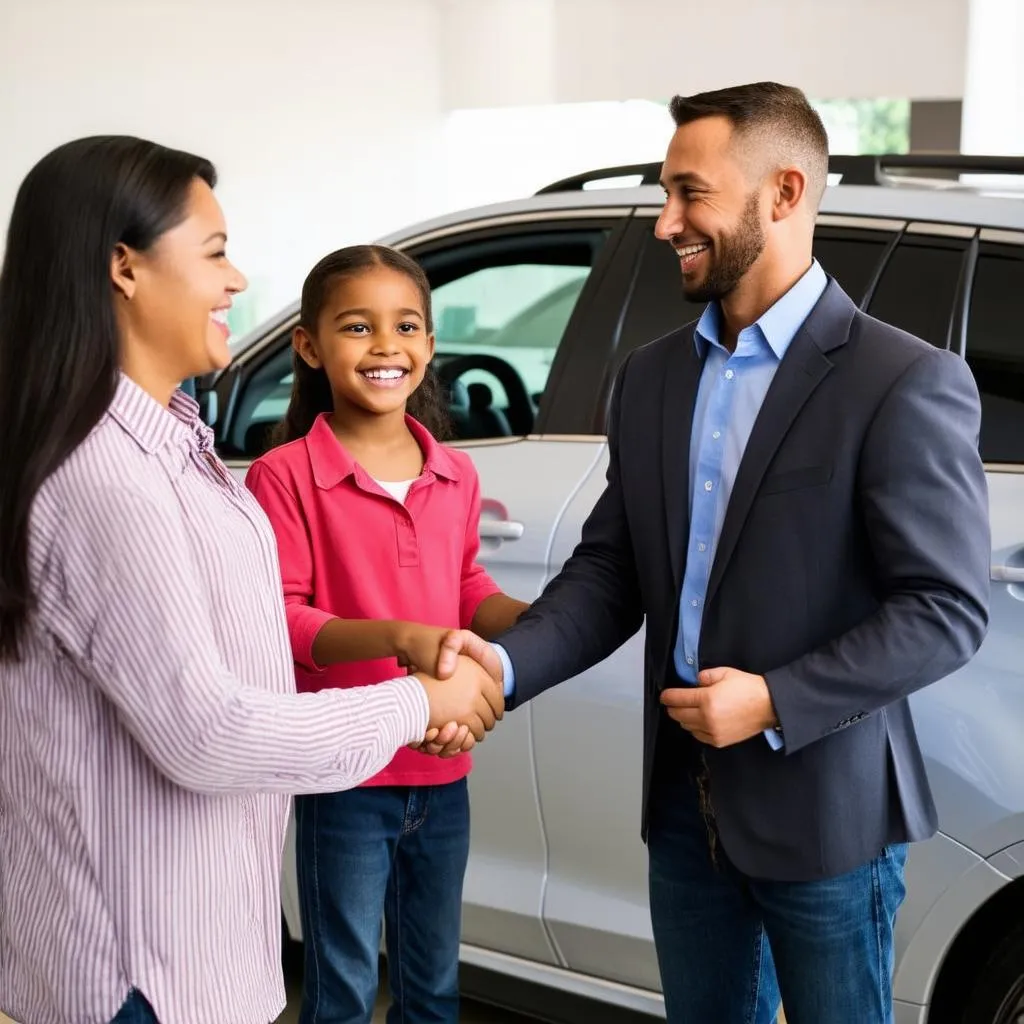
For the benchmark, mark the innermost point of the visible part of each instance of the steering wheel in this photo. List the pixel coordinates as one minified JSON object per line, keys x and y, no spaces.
{"x":520,"y":409}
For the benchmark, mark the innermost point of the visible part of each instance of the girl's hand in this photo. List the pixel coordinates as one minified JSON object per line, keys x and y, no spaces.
{"x":418,"y":647}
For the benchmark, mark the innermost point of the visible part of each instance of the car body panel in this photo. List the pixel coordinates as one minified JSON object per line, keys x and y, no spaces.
{"x":556,"y":890}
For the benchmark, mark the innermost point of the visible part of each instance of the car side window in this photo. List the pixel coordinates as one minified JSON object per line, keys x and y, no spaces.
{"x":917,"y":291}
{"x":657,"y":306}
{"x":995,"y":349}
{"x":501,"y":308}
{"x":851,"y":255}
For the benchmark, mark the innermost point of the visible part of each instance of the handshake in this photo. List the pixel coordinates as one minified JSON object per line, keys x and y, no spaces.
{"x":464,"y":682}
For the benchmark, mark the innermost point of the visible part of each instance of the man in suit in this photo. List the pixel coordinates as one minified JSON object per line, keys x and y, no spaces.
{"x":796,"y":505}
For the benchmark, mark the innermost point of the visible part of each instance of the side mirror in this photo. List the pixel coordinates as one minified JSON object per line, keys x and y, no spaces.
{"x":208,"y":407}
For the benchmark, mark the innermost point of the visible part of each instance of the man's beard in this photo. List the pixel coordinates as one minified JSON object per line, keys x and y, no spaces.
{"x":731,"y":257}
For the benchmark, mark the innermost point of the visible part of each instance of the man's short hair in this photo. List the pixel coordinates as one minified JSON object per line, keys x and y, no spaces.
{"x":776,"y":121}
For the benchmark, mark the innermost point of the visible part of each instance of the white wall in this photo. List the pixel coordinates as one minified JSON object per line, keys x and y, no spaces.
{"x":618,"y":49}
{"x":322,"y":116}
{"x":328,"y":119}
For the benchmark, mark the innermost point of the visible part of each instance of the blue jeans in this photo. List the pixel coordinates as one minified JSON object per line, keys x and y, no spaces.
{"x":727,"y":944}
{"x":136,"y":1010}
{"x":396,"y":852}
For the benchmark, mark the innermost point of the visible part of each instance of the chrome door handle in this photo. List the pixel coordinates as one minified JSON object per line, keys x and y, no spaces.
{"x":500,"y":529}
{"x":1007,"y":574}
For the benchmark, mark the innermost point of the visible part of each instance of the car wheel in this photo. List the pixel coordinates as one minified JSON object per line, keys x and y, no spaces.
{"x":997,"y":996}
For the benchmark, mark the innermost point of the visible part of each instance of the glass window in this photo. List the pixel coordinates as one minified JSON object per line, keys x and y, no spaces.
{"x":501,"y":309}
{"x":658,"y":305}
{"x":918,"y":287}
{"x":851,"y":256}
{"x":995,"y":350}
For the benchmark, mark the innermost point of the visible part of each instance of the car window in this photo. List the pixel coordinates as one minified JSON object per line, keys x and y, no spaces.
{"x":501,"y":308}
{"x":658,"y":306}
{"x":995,"y":349}
{"x":918,"y":287}
{"x":852,"y":256}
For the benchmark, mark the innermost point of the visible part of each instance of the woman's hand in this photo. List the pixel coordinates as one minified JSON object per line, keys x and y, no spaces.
{"x":471,"y":698}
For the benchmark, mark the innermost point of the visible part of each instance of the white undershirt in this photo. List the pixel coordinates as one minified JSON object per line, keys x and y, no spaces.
{"x":398,"y":489}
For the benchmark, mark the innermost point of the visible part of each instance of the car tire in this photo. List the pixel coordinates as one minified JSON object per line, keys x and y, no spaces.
{"x":997,"y":996}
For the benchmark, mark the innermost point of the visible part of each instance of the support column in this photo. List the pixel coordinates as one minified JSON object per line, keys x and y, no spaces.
{"x":993,"y":115}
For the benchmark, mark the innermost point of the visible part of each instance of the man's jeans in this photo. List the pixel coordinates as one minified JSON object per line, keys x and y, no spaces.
{"x":136,"y":1010}
{"x":396,"y":851}
{"x":727,"y":944}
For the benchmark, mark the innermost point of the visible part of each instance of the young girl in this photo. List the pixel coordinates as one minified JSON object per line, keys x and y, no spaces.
{"x":376,"y":525}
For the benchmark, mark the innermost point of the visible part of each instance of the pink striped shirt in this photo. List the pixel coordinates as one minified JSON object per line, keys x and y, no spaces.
{"x":150,"y":735}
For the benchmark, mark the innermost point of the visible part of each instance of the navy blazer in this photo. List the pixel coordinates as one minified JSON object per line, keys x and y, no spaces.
{"x":852,"y":570}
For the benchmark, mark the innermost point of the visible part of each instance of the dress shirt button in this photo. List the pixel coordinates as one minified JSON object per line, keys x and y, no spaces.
{"x":717,"y":434}
{"x":708,"y":485}
{"x":689,"y":661}
{"x":695,"y":602}
{"x":729,"y":374}
{"x":702,"y":547}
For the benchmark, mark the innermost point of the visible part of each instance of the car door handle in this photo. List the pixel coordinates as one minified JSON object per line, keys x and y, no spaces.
{"x":500,"y":529}
{"x":1007,"y":574}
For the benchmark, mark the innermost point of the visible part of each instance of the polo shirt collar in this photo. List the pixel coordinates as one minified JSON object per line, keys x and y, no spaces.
{"x":332,"y":462}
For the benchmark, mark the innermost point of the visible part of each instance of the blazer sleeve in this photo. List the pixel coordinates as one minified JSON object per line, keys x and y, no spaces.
{"x":924,"y":505}
{"x":594,"y":604}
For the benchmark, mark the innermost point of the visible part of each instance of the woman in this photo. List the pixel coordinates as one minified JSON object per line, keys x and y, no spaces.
{"x":149,"y":729}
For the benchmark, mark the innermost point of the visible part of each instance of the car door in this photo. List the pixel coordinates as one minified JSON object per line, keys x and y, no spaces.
{"x":970,"y":724}
{"x":509,"y":301}
{"x":588,"y":731}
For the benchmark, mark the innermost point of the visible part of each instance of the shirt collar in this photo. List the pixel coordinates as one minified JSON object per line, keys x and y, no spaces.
{"x":779,"y":323}
{"x":332,"y":463}
{"x":152,"y":425}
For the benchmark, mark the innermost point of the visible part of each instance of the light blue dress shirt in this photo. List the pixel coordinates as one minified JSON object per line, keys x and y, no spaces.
{"x":730,"y":395}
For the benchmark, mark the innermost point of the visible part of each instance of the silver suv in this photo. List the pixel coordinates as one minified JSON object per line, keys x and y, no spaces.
{"x":537,"y":303}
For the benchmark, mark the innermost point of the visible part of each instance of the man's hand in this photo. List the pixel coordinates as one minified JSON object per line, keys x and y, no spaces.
{"x":468,"y":644}
{"x":471,"y":697}
{"x":726,"y":707}
{"x":451,"y":739}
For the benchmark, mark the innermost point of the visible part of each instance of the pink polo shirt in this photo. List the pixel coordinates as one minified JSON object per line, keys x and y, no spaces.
{"x":349,"y":549}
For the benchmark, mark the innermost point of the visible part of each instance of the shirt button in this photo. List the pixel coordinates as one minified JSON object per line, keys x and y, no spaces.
{"x":702,"y":547}
{"x":708,"y":485}
{"x":689,"y":661}
{"x":717,"y":434}
{"x":729,"y":374}
{"x":695,"y":602}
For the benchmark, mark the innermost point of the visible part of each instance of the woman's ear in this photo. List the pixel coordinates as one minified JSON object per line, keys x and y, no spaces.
{"x":122,"y":270}
{"x":302,"y":342}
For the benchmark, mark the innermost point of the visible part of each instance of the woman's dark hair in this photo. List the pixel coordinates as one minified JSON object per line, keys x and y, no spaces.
{"x":311,"y":390}
{"x":59,"y":342}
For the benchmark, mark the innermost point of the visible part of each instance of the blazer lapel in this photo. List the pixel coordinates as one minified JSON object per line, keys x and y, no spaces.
{"x":804,"y":366}
{"x":682,"y":378}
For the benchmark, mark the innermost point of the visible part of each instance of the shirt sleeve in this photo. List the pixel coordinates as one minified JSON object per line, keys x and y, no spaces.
{"x":119,"y":591}
{"x":477,"y":583}
{"x":295,"y":553}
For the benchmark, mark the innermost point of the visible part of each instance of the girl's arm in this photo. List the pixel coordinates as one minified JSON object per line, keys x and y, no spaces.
{"x":495,"y":614}
{"x":412,"y":643}
{"x":319,"y":638}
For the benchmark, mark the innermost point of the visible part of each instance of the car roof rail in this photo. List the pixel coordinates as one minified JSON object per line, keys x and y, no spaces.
{"x":649,"y":175}
{"x":877,"y":170}
{"x":853,"y":169}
